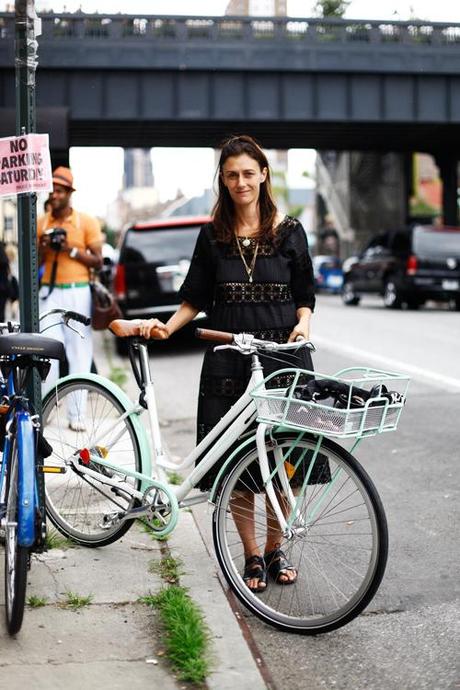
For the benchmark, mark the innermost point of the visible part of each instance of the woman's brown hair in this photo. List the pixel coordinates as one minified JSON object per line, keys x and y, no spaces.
{"x":224,"y":210}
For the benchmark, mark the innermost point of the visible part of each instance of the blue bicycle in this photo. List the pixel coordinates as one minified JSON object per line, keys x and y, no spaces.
{"x":22,"y":514}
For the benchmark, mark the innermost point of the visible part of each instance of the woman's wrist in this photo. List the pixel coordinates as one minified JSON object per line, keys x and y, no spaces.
{"x":304,"y":315}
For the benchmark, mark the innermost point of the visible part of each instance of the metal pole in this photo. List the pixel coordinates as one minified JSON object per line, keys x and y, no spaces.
{"x":26,"y":63}
{"x":26,"y":48}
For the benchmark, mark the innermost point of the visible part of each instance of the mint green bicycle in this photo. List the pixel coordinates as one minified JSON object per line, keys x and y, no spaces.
{"x":283,"y":472}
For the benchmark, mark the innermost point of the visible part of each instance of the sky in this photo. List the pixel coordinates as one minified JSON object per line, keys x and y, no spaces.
{"x":432,"y":10}
{"x":172,"y":167}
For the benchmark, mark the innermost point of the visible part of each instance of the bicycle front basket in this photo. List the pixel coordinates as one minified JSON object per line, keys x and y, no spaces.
{"x":386,"y":395}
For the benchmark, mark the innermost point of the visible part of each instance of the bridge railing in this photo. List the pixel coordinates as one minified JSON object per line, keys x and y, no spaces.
{"x":142,"y":27}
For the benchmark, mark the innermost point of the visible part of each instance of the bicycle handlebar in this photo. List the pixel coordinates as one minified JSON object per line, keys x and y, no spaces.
{"x":75,"y":316}
{"x":215,"y":336}
{"x":246,"y":343}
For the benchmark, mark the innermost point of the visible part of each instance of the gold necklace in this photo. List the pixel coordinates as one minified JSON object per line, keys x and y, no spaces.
{"x":249,"y":267}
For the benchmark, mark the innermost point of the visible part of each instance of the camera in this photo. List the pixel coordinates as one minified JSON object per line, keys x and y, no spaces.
{"x":57,"y":238}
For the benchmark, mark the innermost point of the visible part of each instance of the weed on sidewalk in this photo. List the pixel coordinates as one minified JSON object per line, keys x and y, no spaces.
{"x":187,"y":637}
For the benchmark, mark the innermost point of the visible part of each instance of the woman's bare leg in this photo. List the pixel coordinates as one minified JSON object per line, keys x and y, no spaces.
{"x":242,"y":507}
{"x":274,"y":534}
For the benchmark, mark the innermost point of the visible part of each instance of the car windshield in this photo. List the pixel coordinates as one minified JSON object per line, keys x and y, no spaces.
{"x":428,"y":244}
{"x":160,"y":246}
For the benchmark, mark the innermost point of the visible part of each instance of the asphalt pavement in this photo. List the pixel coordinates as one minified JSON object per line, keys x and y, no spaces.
{"x":115,"y":641}
{"x":408,"y":637}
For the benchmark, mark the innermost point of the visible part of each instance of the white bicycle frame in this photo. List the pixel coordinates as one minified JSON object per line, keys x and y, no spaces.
{"x":228,"y":430}
{"x":234,"y":423}
{"x":217,"y":442}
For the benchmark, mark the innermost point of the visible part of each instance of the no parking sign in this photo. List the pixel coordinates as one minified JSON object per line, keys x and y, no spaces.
{"x":25,"y":164}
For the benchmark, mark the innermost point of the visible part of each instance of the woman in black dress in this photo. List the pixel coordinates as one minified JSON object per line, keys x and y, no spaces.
{"x":251,"y":272}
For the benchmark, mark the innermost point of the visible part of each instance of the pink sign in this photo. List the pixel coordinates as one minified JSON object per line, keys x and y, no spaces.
{"x":25,"y":165}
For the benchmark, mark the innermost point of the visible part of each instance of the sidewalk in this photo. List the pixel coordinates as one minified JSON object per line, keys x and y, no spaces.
{"x":115,"y":642}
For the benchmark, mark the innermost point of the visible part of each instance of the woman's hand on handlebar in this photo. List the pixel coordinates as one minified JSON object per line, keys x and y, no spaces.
{"x":153,"y":328}
{"x":302,"y":329}
{"x":299,"y":332}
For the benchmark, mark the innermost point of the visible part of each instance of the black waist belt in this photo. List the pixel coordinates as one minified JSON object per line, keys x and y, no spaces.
{"x":227,"y":293}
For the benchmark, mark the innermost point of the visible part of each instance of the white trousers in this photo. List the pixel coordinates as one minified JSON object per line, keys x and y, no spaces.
{"x":79,"y":350}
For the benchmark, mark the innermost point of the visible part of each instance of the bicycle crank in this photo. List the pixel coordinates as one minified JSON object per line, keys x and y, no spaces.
{"x":162,"y":507}
{"x":159,"y":507}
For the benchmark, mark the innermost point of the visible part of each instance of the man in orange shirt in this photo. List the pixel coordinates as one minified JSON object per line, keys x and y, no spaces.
{"x":69,"y":244}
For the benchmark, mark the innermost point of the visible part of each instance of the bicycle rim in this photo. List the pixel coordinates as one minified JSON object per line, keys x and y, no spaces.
{"x":339,"y":543}
{"x":76,"y":504}
{"x":16,"y":557}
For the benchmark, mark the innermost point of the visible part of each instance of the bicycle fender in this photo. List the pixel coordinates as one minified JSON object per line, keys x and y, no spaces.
{"x":126,"y":403}
{"x":251,"y":440}
{"x":26,"y":480}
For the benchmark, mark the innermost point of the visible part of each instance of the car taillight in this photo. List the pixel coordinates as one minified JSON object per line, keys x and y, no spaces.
{"x":411,"y":265}
{"x":120,"y":282}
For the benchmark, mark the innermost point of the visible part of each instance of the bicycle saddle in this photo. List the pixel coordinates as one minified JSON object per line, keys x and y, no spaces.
{"x":31,"y":344}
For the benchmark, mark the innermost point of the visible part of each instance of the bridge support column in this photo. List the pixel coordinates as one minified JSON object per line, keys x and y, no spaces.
{"x":408,"y":173}
{"x":448,"y":166}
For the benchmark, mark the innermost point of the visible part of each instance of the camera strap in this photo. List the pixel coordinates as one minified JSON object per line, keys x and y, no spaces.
{"x":52,"y":282}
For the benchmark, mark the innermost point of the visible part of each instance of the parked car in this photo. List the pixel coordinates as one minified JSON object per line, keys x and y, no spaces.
{"x":153,"y":262}
{"x":407,"y":267}
{"x":328,"y":273}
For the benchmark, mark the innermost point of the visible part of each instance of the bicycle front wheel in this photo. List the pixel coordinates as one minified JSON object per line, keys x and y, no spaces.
{"x":78,"y":505}
{"x":338,"y":543}
{"x":16,"y":557}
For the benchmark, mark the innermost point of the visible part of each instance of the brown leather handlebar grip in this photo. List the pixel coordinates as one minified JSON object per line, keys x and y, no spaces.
{"x":214,"y":336}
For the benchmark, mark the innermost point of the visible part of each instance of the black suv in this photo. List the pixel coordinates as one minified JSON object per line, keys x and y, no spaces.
{"x":154,"y":259}
{"x":407,"y":267}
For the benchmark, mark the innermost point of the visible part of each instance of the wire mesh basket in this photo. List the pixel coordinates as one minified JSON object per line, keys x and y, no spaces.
{"x":371,"y":402}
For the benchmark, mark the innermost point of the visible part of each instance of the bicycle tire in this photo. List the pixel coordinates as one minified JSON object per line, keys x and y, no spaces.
{"x":16,"y":557}
{"x":76,"y":505}
{"x":340,"y":558}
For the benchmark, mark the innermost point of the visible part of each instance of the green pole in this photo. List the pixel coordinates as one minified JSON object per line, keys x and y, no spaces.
{"x":26,"y":62}
{"x":25,"y":124}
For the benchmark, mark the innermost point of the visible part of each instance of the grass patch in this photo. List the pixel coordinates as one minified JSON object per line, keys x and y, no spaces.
{"x":36,"y":602}
{"x":168,"y":567}
{"x":187,"y":637}
{"x":75,"y":601}
{"x":147,"y":528}
{"x":118,"y":376}
{"x":55,"y":540}
{"x":174,"y":478}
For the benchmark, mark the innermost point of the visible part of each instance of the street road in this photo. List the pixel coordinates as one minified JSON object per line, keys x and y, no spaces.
{"x":409,"y":636}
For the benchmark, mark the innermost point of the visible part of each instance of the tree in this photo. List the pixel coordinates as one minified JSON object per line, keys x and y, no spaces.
{"x":331,"y":8}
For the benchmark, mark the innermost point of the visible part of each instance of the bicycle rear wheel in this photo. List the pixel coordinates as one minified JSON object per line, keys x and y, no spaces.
{"x":339,"y":540}
{"x":16,"y":557}
{"x":78,"y":505}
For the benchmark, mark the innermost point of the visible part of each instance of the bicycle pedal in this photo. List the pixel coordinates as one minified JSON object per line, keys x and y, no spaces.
{"x":109,"y":520}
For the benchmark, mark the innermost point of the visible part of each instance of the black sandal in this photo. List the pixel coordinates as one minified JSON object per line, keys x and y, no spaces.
{"x":277,"y":565}
{"x":254,"y":567}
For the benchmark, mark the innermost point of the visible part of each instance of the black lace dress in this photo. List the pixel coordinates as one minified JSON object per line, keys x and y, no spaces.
{"x":217,"y":283}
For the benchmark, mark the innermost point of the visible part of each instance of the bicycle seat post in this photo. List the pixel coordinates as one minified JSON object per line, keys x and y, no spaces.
{"x":149,"y":389}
